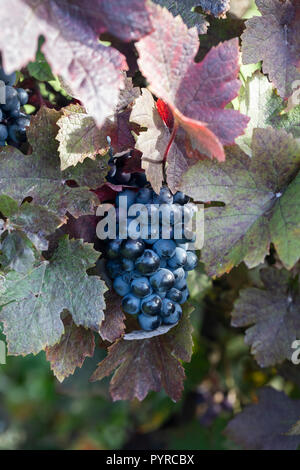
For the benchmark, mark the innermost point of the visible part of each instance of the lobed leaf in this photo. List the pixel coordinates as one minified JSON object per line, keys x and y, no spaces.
{"x":38,"y":176}
{"x":71,"y":30}
{"x":148,"y":364}
{"x":32,"y":304}
{"x":80,"y":138}
{"x":197,"y":93}
{"x":274,"y":38}
{"x":261,"y":197}
{"x":274,"y":313}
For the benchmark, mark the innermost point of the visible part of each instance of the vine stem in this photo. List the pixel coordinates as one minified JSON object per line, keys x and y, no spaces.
{"x":172,"y":137}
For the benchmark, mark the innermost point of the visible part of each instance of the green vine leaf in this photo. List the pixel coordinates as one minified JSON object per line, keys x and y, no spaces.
{"x":38,"y":175}
{"x":261,"y":197}
{"x":31,"y":304}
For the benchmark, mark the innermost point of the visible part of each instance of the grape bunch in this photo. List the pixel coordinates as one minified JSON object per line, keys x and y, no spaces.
{"x":13,"y":121}
{"x":149,"y":268}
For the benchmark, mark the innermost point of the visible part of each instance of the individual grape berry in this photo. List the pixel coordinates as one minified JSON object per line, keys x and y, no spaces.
{"x":121,"y":286}
{"x":178,"y":259}
{"x":165,"y":248}
{"x":131,"y":304}
{"x":23,"y":122}
{"x":144,"y":196}
{"x":23,"y":96}
{"x":127,"y":264}
{"x":151,"y":305}
{"x":174,"y":317}
{"x":179,"y":274}
{"x":168,"y":307}
{"x":132,"y":249}
{"x":162,"y":280}
{"x":180,"y":198}
{"x":148,"y":263}
{"x":114,"y":268}
{"x":113,"y":248}
{"x":191,"y":261}
{"x":11,"y":99}
{"x":175,"y":294}
{"x":181,"y":284}
{"x":141,"y":287}
{"x":164,"y":197}
{"x":8,"y":79}
{"x":3,"y":132}
{"x":149,"y":323}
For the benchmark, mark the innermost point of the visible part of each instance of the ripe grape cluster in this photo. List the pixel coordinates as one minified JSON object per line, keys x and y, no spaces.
{"x":149,"y":268}
{"x":13,"y":121}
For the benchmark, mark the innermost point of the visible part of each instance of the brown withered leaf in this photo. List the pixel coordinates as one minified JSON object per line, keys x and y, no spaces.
{"x":148,"y":364}
{"x":75,"y":345}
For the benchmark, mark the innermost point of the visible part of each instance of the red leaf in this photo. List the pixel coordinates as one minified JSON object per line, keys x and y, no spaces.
{"x":196,"y":93}
{"x":71,"y":30}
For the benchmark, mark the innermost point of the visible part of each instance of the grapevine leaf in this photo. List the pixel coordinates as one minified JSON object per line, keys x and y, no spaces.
{"x":289,"y":120}
{"x":36,"y":222}
{"x":31,"y":304}
{"x":274,"y":38}
{"x":39,"y":176}
{"x":275,"y":313}
{"x":264,"y":426}
{"x":148,"y":364}
{"x":113,"y":325}
{"x":16,"y":252}
{"x":259,"y":102}
{"x":75,"y":345}
{"x":184,"y":9}
{"x":217,"y":8}
{"x":261,"y":202}
{"x":71,"y":30}
{"x":197,"y":93}
{"x":80,"y":137}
